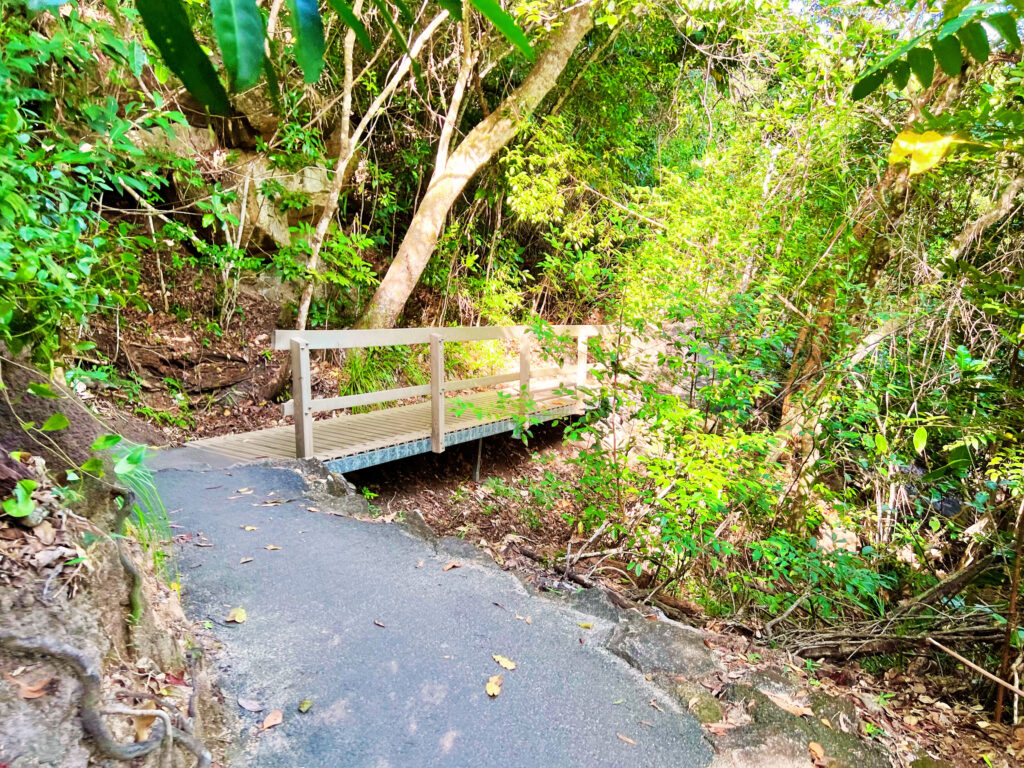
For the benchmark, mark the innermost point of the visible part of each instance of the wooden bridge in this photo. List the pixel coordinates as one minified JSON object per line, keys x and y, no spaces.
{"x":485,"y":406}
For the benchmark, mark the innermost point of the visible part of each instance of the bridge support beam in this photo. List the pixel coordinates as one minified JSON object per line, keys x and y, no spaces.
{"x":436,"y":393}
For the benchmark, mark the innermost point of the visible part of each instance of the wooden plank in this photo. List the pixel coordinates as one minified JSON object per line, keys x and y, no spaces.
{"x":436,"y":393}
{"x":302,"y":396}
{"x":391,"y":337}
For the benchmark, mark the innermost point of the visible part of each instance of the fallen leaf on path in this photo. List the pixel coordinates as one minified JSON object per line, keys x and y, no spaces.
{"x":453,"y":564}
{"x":817,"y":751}
{"x":249,"y":528}
{"x":626,"y":739}
{"x":305,"y":705}
{"x":144,"y":723}
{"x":586,"y":625}
{"x":493,"y":686}
{"x":244,"y":490}
{"x":312,"y":509}
{"x":419,"y":564}
{"x":648,"y":723}
{"x":379,"y":623}
{"x":656,"y":705}
{"x":527,"y":619}
{"x":245,"y":560}
{"x":503,"y":662}
{"x":719,"y":729}
{"x":237,"y":615}
{"x":250,"y":705}
{"x":29,"y":690}
{"x":272,"y":547}
{"x":274,"y":717}
{"x":785,"y":702}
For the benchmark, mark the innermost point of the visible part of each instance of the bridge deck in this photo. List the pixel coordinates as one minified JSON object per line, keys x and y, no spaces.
{"x":354,"y":441}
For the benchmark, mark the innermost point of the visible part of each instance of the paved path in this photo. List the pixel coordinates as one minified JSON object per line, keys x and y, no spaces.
{"x":410,"y":693}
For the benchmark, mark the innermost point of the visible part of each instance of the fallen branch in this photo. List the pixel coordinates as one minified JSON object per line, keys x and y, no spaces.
{"x":1008,"y":686}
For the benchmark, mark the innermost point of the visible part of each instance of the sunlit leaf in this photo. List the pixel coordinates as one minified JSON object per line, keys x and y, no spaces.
{"x":493,"y":686}
{"x":925,"y":150}
{"x":55,"y":422}
{"x":975,"y":40}
{"x":922,"y":64}
{"x":505,"y":24}
{"x":920,"y":439}
{"x":947,"y":53}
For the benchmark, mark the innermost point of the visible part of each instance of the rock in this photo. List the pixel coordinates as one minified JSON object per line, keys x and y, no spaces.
{"x":662,"y":646}
{"x":775,"y":737}
{"x":698,"y":700}
{"x":593,"y":602}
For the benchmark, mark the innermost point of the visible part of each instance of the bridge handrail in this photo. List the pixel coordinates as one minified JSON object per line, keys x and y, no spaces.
{"x":302,"y":405}
{"x":400,"y":337}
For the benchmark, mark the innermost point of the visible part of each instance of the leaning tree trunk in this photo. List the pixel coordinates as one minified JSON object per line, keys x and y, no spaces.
{"x":451,"y":177}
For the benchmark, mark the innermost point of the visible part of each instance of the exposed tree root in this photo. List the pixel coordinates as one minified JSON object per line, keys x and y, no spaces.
{"x":91,"y":703}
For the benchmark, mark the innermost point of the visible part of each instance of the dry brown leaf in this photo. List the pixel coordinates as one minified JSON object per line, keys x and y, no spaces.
{"x":626,"y":739}
{"x":250,"y":705}
{"x":503,"y":662}
{"x":656,"y":705}
{"x":793,"y":707}
{"x":237,"y":615}
{"x":379,"y":623}
{"x":249,"y":528}
{"x":817,"y":751}
{"x":245,"y":560}
{"x":419,"y":564}
{"x":29,"y":690}
{"x":493,"y":686}
{"x":274,"y":717}
{"x":272,"y":547}
{"x":144,"y":724}
{"x":451,"y":564}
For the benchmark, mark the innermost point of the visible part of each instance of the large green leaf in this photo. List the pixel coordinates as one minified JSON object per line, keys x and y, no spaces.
{"x":975,"y":40}
{"x":867,"y":84}
{"x":922,"y":63}
{"x":239,"y":29}
{"x":171,"y":31}
{"x":1006,"y":26}
{"x":349,"y":19}
{"x":505,"y":24}
{"x":454,"y":8}
{"x":947,"y":53}
{"x":900,"y":75}
{"x":308,"y":28}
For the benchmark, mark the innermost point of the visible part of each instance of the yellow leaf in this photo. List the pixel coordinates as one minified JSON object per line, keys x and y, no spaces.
{"x":586,"y":625}
{"x":503,"y":662}
{"x":144,"y":723}
{"x":175,"y":586}
{"x":271,"y":547}
{"x":237,"y":615}
{"x":248,"y":527}
{"x":817,"y":751}
{"x":493,"y":686}
{"x":305,"y":705}
{"x":274,"y":717}
{"x":925,"y":150}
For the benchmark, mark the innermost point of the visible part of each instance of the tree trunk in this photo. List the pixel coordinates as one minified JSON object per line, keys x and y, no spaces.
{"x":451,"y":176}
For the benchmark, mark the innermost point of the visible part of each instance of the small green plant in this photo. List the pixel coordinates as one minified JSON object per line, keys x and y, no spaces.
{"x":21,"y":504}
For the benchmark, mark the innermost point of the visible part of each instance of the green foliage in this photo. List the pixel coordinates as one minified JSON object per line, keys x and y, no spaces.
{"x":60,"y":261}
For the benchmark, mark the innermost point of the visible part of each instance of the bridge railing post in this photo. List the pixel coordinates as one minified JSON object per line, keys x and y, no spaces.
{"x":302,"y":397}
{"x":436,"y":393}
{"x":524,"y":372}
